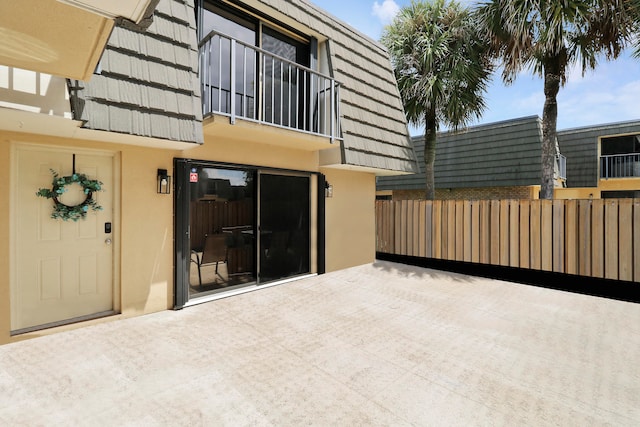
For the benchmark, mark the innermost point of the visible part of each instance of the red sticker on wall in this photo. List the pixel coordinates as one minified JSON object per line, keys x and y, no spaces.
{"x":193,"y":177}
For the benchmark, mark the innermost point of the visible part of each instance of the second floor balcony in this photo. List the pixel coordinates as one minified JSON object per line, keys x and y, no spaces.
{"x":245,"y":82}
{"x":620,"y":166}
{"x":562,"y":166}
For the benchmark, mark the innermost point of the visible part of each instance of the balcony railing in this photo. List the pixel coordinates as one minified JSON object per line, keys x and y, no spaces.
{"x":620,"y":166}
{"x":562,"y":166}
{"x":242,"y":81}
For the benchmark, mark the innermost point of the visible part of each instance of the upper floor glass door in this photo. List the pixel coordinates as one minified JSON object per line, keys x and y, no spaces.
{"x":218,"y":90}
{"x":256,"y":69}
{"x":285,"y":88}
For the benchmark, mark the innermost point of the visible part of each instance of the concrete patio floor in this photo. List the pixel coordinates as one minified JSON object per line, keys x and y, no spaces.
{"x":380,"y":344}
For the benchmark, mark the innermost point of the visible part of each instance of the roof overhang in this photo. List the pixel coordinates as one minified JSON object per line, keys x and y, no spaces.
{"x":56,"y":38}
{"x":133,"y":10}
{"x":12,"y":120}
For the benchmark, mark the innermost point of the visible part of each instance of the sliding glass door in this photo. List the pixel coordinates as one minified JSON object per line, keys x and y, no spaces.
{"x":240,"y":226}
{"x":284,"y":226}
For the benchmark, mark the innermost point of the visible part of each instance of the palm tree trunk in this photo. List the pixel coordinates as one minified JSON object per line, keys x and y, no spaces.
{"x":430,"y":155}
{"x":549,"y":124}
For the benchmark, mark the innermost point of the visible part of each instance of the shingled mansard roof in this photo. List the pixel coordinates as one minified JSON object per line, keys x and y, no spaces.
{"x":504,"y":153}
{"x":150,"y":76}
{"x":373,"y":121}
{"x":148,"y":82}
{"x":580,"y":145}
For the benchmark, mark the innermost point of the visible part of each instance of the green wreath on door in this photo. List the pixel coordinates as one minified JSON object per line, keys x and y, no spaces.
{"x":58,"y":187}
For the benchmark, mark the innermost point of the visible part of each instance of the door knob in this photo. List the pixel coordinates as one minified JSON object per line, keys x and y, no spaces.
{"x":108,"y":241}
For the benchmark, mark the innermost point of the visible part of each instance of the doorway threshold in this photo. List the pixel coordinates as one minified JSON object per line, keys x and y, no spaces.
{"x":243,"y":290}
{"x":64,"y":322}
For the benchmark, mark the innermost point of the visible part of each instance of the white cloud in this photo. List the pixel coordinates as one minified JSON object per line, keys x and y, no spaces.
{"x":600,"y":104}
{"x":385,"y":11}
{"x":529,"y":105}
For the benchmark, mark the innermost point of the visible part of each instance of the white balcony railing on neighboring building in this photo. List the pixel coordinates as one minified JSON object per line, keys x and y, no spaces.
{"x":562,"y":166}
{"x":242,"y":81}
{"x":620,"y":166}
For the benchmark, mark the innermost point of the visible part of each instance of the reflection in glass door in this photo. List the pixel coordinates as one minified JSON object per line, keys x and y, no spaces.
{"x":222,"y":229}
{"x":284,"y":226}
{"x":218,"y":212}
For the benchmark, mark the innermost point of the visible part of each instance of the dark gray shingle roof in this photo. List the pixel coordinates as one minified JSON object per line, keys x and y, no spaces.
{"x":373,"y":121}
{"x":498,"y":154}
{"x":148,"y":83}
{"x":580,"y":145}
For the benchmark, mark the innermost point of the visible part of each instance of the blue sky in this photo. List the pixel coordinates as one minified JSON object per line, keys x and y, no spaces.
{"x":610,"y":93}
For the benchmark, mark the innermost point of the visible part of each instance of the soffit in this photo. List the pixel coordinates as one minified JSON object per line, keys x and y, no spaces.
{"x":50,"y":37}
{"x":133,"y":10}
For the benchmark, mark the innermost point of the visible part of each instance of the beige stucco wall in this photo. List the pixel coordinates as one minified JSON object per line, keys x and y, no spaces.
{"x":145,"y":227}
{"x":350,"y":221}
{"x":576,"y":193}
{"x":144,"y":231}
{"x":613,"y":184}
{"x":4,"y":242}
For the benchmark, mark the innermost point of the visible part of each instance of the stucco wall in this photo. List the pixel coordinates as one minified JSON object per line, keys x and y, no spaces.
{"x":350,"y":222}
{"x":144,"y":230}
{"x":145,"y":227}
{"x":4,"y":240}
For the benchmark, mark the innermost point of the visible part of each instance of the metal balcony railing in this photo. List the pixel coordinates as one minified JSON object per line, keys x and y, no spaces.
{"x":562,"y":166}
{"x":243,"y":81}
{"x":620,"y":166}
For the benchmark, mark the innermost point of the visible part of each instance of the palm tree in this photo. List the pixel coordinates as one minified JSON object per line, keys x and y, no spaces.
{"x":636,"y":52}
{"x":548,"y":37}
{"x":442,"y":69}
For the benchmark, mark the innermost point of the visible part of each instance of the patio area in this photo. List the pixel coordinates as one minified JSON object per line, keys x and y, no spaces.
{"x":379,"y":344}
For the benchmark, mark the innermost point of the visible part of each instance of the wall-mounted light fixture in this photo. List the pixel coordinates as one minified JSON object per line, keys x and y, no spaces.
{"x":328,"y":189}
{"x":164,"y":182}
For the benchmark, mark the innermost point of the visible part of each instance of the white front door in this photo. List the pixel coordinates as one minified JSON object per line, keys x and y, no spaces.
{"x":62,"y":270}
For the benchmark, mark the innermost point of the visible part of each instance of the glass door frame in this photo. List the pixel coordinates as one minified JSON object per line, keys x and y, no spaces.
{"x":182,"y":218}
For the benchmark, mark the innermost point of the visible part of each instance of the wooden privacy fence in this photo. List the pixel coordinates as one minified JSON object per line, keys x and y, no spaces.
{"x":597,"y":238}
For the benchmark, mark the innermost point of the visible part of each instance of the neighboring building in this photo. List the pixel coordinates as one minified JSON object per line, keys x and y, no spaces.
{"x":603,"y":161}
{"x":266,"y":121}
{"x":493,"y":161}
{"x":502,"y":161}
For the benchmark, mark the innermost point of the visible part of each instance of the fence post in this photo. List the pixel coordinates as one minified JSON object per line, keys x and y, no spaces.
{"x":485,"y":232}
{"x":397,"y":229}
{"x":525,"y":233}
{"x":504,"y":233}
{"x":597,"y":238}
{"x":546,"y":232}
{"x":422,"y":226}
{"x":436,"y":230}
{"x":494,"y":231}
{"x":428,"y":227}
{"x":625,"y":240}
{"x":408,"y":220}
{"x":571,"y":242}
{"x":475,"y":231}
{"x":585,"y":208}
{"x":514,"y":233}
{"x":459,"y":235}
{"x":611,"y":239}
{"x":466,"y":231}
{"x":558,"y":236}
